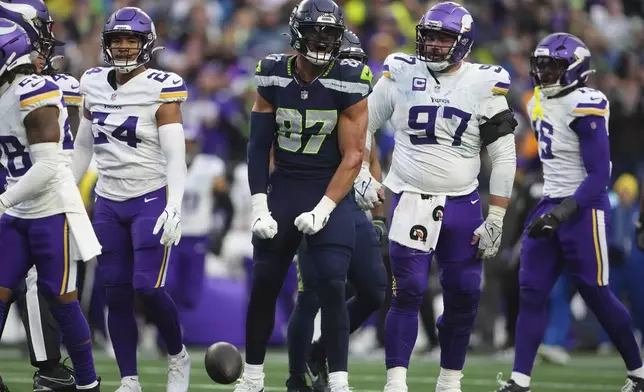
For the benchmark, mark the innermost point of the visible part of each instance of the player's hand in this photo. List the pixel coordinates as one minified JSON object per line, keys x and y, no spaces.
{"x":546,"y":224}
{"x":639,"y":232}
{"x":263,"y":225}
{"x":170,"y":221}
{"x":380,"y":227}
{"x":313,"y":221}
{"x":366,"y":189}
{"x":488,"y":236}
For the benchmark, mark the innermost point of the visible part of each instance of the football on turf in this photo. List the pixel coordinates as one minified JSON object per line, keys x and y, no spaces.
{"x":223,"y":363}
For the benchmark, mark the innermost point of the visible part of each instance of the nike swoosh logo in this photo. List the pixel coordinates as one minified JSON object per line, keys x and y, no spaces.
{"x":67,"y":380}
{"x":176,"y":81}
{"x":75,"y":87}
{"x":474,"y":201}
{"x":595,"y":98}
{"x":146,"y":200}
{"x":37,"y":83}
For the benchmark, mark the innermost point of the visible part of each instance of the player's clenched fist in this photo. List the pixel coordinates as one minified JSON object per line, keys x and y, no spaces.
{"x":366,"y":189}
{"x":313,"y":221}
{"x":263,"y":225}
{"x":170,"y":221}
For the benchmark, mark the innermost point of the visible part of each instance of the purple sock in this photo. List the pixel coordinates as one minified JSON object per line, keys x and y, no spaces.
{"x":401,"y":331}
{"x":164,"y":315}
{"x":531,"y":326}
{"x":455,"y":326}
{"x":77,"y":339}
{"x":122,"y":327}
{"x":616,"y":321}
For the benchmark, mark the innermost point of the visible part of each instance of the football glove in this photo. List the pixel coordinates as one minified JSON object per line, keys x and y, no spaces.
{"x":489,"y":233}
{"x":170,"y":221}
{"x":546,"y":224}
{"x":639,"y":232}
{"x":263,"y":225}
{"x":313,"y":221}
{"x":380,"y":228}
{"x":366,"y":189}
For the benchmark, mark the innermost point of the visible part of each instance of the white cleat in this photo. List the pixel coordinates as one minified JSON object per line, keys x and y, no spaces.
{"x":129,"y":384}
{"x":395,"y":386}
{"x":341,"y":389}
{"x":246,"y":384}
{"x":179,"y":372}
{"x":449,"y":383}
{"x":554,"y":354}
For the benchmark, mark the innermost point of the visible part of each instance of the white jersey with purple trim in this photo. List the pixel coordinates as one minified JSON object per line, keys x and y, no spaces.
{"x":126,"y":137}
{"x":70,"y":87}
{"x":436,"y":118}
{"x":198,"y":199}
{"x":559,"y":151}
{"x":24,"y":95}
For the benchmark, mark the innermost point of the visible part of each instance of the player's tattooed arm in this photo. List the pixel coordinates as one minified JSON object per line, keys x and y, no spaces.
{"x":83,"y":146}
{"x":43,"y":134}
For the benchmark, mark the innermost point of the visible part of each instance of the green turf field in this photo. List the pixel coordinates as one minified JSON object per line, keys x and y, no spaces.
{"x":585,"y":373}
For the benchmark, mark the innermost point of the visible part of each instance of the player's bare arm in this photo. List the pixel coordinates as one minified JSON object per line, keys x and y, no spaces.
{"x":73,"y":114}
{"x":42,"y":125}
{"x":376,"y":172}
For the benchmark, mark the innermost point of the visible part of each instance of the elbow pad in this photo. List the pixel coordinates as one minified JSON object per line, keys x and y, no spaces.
{"x":501,"y":124}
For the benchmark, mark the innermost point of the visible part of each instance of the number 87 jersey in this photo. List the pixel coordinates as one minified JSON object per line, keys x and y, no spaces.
{"x":436,"y":119}
{"x":126,"y":137}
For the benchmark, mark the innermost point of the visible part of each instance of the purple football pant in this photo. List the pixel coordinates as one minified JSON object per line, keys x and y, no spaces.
{"x":460,"y":276}
{"x":186,"y":274}
{"x":581,"y":244}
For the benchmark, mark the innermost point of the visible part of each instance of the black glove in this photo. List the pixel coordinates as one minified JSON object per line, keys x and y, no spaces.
{"x":546,"y":224}
{"x":639,"y":232}
{"x":380,"y":227}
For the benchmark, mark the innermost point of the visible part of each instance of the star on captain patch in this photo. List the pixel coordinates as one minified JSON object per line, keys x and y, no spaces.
{"x":304,"y":94}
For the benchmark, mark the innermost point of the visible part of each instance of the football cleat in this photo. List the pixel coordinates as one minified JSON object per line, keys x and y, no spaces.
{"x":129,"y":384}
{"x":318,"y":372}
{"x":509,"y":386}
{"x":60,"y":378}
{"x":295,"y":384}
{"x":248,"y":385}
{"x":633,"y":384}
{"x":179,"y":372}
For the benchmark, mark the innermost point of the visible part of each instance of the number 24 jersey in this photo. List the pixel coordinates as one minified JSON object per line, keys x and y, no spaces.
{"x":127,"y":151}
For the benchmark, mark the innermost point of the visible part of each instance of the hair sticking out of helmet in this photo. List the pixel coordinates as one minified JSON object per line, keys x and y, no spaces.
{"x":128,"y":39}
{"x":351,"y":47}
{"x":444,"y":35}
{"x":560,"y":62}
{"x":15,"y":49}
{"x":316,"y":28}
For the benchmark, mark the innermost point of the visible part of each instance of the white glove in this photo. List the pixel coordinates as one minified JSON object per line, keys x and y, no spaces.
{"x":263,"y":225}
{"x":366,"y":189}
{"x":313,"y":221}
{"x":489,"y":233}
{"x":170,"y":220}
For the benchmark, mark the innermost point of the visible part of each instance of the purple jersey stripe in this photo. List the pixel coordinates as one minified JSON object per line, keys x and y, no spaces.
{"x":174,"y":89}
{"x":600,"y":105}
{"x":385,"y":67}
{"x":502,"y":85}
{"x":49,"y":86}
{"x":72,"y":93}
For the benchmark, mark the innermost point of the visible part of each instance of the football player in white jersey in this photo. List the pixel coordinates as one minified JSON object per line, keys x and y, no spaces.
{"x":132,"y":122}
{"x":205,"y":179}
{"x":568,"y":226}
{"x":443,"y":110}
{"x":43,"y":221}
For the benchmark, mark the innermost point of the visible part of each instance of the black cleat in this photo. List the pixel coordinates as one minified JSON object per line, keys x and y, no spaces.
{"x":318,"y":372}
{"x":633,"y":384}
{"x":58,"y":379}
{"x":509,"y":386}
{"x":3,"y":388}
{"x":295,"y":384}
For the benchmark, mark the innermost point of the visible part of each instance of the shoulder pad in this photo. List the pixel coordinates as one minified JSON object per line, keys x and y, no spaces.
{"x":493,"y":79}
{"x":269,"y":64}
{"x":273,"y":70}
{"x":354,"y":75}
{"x":170,"y":86}
{"x":588,"y":102}
{"x":37,"y":91}
{"x":92,"y":74}
{"x":70,"y":87}
{"x":396,"y":65}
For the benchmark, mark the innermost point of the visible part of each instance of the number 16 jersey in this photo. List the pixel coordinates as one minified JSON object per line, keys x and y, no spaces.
{"x":127,"y":151}
{"x":436,"y":121}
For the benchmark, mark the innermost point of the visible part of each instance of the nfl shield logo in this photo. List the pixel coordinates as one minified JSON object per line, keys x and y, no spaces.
{"x":113,"y":97}
{"x":304,"y":94}
{"x":437,"y":88}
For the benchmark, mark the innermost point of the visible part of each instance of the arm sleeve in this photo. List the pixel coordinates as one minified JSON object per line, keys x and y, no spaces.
{"x":504,"y":164}
{"x":381,"y":107}
{"x":46,"y":162}
{"x":83,"y":149}
{"x":595,"y":154}
{"x":173,"y":145}
{"x":260,"y":140}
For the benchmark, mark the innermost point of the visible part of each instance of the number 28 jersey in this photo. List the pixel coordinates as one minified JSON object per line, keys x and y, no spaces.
{"x":436,"y":123}
{"x":127,"y":151}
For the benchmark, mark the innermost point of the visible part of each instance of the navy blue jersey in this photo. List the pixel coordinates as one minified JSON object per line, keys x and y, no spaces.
{"x":306,"y":142}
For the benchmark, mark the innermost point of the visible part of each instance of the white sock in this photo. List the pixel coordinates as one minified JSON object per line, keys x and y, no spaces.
{"x":397,"y":374}
{"x":520,"y":379}
{"x":639,"y":373}
{"x":181,"y":354}
{"x":254,"y":372}
{"x":338,"y":379}
{"x":450,"y":373}
{"x":90,"y":386}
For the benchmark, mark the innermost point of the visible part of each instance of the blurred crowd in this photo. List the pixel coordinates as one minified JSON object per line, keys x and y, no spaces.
{"x":215,"y":45}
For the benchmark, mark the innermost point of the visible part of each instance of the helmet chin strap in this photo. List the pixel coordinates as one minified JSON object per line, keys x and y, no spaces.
{"x":438,"y":66}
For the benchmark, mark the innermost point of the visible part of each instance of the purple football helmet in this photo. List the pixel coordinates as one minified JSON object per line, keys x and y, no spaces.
{"x":134,"y":22}
{"x":33,"y":16}
{"x":444,"y":35}
{"x":559,"y":62}
{"x":15,"y":46}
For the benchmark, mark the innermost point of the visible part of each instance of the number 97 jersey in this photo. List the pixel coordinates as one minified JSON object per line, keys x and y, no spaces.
{"x":128,"y":154}
{"x":436,"y":119}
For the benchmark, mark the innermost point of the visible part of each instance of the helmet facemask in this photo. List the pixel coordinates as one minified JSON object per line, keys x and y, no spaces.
{"x":435,"y":47}
{"x":547,"y":73}
{"x":125,"y":54}
{"x":319,"y":42}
